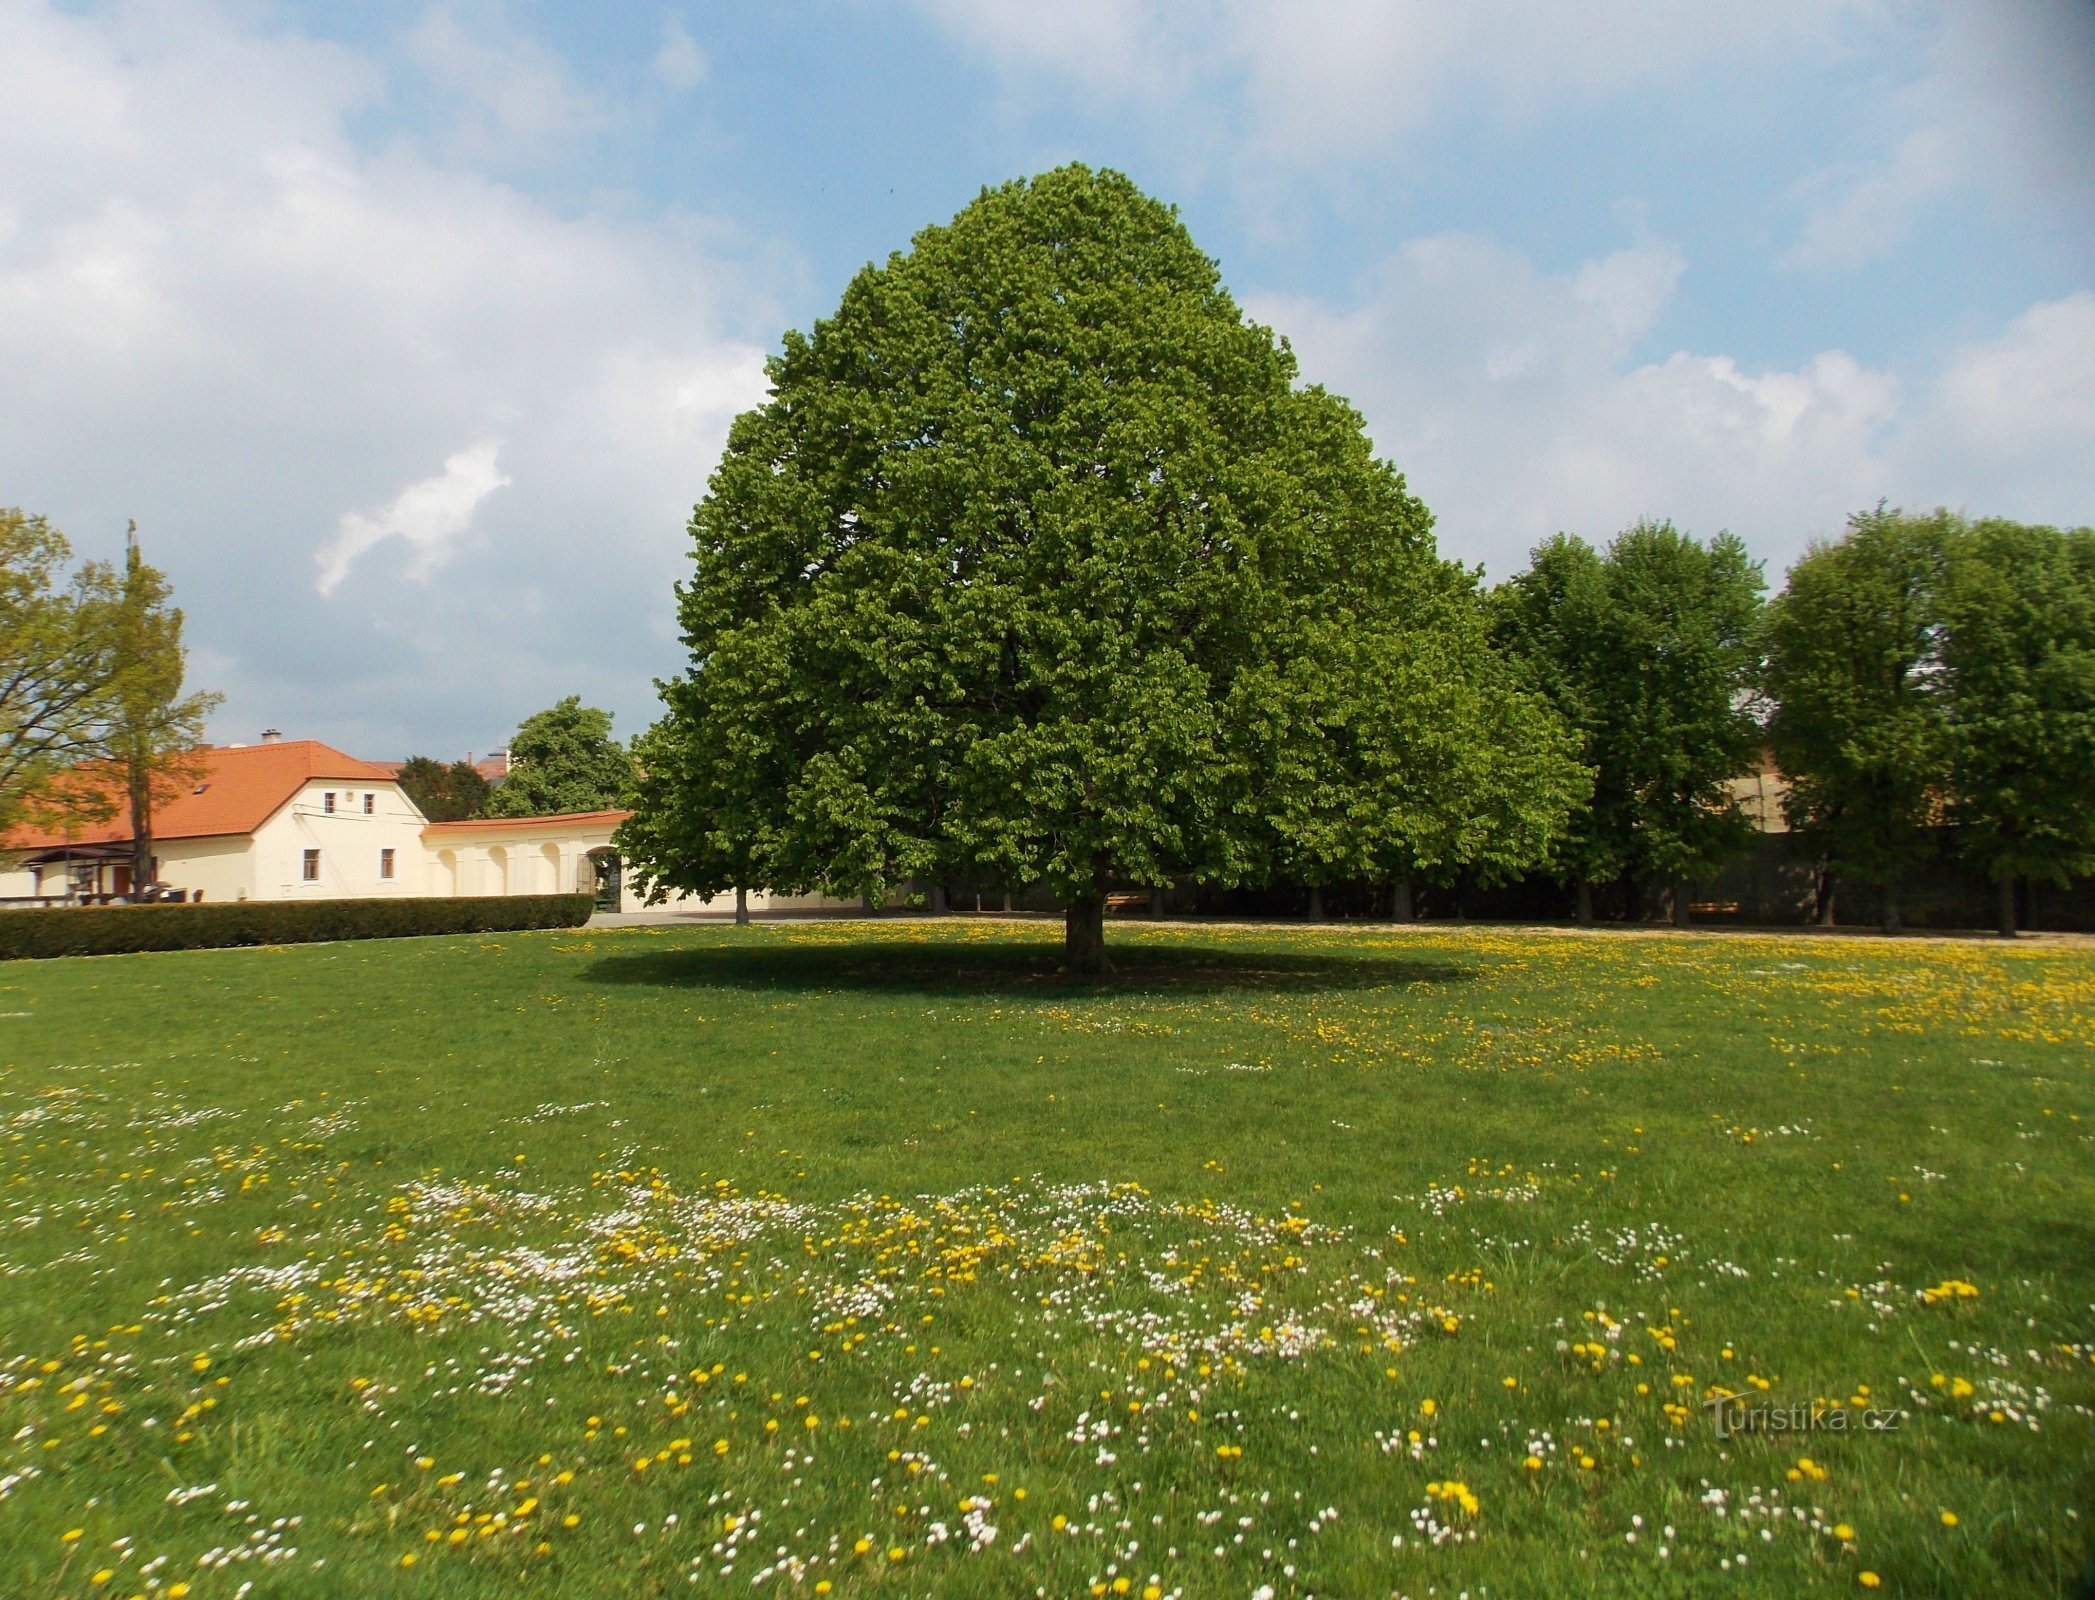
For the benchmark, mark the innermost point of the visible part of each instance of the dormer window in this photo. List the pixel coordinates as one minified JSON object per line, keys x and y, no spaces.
{"x":200,"y":788}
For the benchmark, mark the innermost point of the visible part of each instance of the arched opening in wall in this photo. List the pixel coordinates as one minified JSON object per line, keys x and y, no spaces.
{"x":608,"y":872}
{"x":497,"y":870}
{"x":548,"y":869}
{"x":447,"y":872}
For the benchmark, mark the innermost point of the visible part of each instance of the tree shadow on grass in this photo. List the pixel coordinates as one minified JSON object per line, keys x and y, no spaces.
{"x":921,"y":967}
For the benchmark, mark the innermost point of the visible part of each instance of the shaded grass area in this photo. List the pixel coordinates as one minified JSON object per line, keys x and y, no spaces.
{"x":1340,"y":1262}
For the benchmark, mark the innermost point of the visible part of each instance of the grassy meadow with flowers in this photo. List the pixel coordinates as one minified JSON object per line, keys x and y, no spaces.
{"x":858,"y":1259}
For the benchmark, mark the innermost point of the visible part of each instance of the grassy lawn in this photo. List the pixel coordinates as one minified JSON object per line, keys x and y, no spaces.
{"x":864,"y":1259}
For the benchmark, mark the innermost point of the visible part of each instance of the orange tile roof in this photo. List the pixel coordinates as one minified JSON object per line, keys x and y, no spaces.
{"x":510,"y":824}
{"x":239,"y":789}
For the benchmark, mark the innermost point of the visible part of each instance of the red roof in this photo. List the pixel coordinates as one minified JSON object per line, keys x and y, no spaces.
{"x":239,"y":788}
{"x":511,"y":824}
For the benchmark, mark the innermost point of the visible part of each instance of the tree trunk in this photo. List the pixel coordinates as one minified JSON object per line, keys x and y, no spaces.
{"x":1400,"y":906}
{"x":1585,"y":911}
{"x":1316,"y":902}
{"x":141,"y":787}
{"x":2007,"y":906}
{"x":1084,"y":935}
{"x":741,"y":908}
{"x":1825,"y":909}
{"x":938,"y":899}
{"x":1007,"y":900}
{"x":1681,"y":918}
{"x":1156,"y":902}
{"x":1891,"y":919}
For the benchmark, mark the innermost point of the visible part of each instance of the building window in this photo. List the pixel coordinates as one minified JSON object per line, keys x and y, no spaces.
{"x":312,"y":864}
{"x":385,"y":863}
{"x":327,"y":802}
{"x":370,"y":804}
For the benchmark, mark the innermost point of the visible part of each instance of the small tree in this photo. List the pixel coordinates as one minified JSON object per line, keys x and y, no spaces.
{"x":1648,"y":653}
{"x":2018,"y":613}
{"x":1853,"y":649}
{"x":153,"y":731}
{"x":564,"y":759}
{"x":442,"y":793}
{"x":1037,"y":568}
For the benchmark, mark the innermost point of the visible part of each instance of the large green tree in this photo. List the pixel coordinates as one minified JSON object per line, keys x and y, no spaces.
{"x":1853,"y":658}
{"x":2018,"y":655}
{"x":563,"y":759}
{"x":1037,"y":567}
{"x":1648,"y":652}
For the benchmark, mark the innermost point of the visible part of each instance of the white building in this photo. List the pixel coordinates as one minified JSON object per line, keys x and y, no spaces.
{"x":301,"y":820}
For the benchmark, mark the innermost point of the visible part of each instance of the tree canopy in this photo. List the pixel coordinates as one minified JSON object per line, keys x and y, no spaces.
{"x":93,"y":720}
{"x":1037,"y":567}
{"x":57,"y":656}
{"x":445,"y":793}
{"x":1853,"y":648}
{"x":2018,"y":655}
{"x":1648,"y":653}
{"x":563,"y":759}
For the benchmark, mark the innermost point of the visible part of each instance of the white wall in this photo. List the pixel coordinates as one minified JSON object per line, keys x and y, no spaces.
{"x":348,"y":840}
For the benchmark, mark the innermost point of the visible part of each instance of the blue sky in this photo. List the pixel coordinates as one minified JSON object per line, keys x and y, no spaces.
{"x":409,"y":332}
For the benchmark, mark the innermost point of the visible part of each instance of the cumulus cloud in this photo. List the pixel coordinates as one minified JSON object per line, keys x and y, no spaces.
{"x":223,"y":315}
{"x":1518,"y":405}
{"x":431,"y":516}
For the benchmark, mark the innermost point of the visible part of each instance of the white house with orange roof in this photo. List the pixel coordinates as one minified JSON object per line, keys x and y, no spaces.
{"x":298,"y":819}
{"x":272,"y":821}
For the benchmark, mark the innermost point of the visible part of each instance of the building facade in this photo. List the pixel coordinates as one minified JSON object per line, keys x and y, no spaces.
{"x":287,"y":820}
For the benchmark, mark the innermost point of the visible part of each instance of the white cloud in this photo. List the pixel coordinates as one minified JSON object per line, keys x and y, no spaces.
{"x":679,"y":62}
{"x":431,"y":515}
{"x":1326,"y":78}
{"x":2010,"y":426}
{"x":2003,"y":103}
{"x":1517,"y":405}
{"x":507,"y":94}
{"x":221,"y":316}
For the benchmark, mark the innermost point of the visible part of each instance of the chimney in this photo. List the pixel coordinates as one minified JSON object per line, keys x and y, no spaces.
{"x":272,"y":735}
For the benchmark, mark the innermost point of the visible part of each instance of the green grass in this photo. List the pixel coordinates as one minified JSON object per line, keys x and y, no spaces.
{"x":313,"y":1258}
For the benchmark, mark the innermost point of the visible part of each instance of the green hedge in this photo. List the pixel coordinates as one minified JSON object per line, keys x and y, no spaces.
{"x":118,"y":930}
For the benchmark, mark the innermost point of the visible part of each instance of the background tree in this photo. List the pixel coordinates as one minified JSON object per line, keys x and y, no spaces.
{"x":57,"y":657}
{"x":1412,"y":749}
{"x":152,"y":733}
{"x":1011,"y":579}
{"x":1648,"y":653}
{"x":564,"y":759}
{"x":1853,"y":672}
{"x":2018,"y":655}
{"x":445,"y":793}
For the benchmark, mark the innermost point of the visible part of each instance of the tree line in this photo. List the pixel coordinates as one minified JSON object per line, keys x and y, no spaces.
{"x":1040,"y":567}
{"x":1924,"y":671}
{"x":562,"y":759}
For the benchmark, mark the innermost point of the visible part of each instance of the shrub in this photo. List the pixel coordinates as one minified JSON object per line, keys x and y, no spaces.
{"x":118,"y":930}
